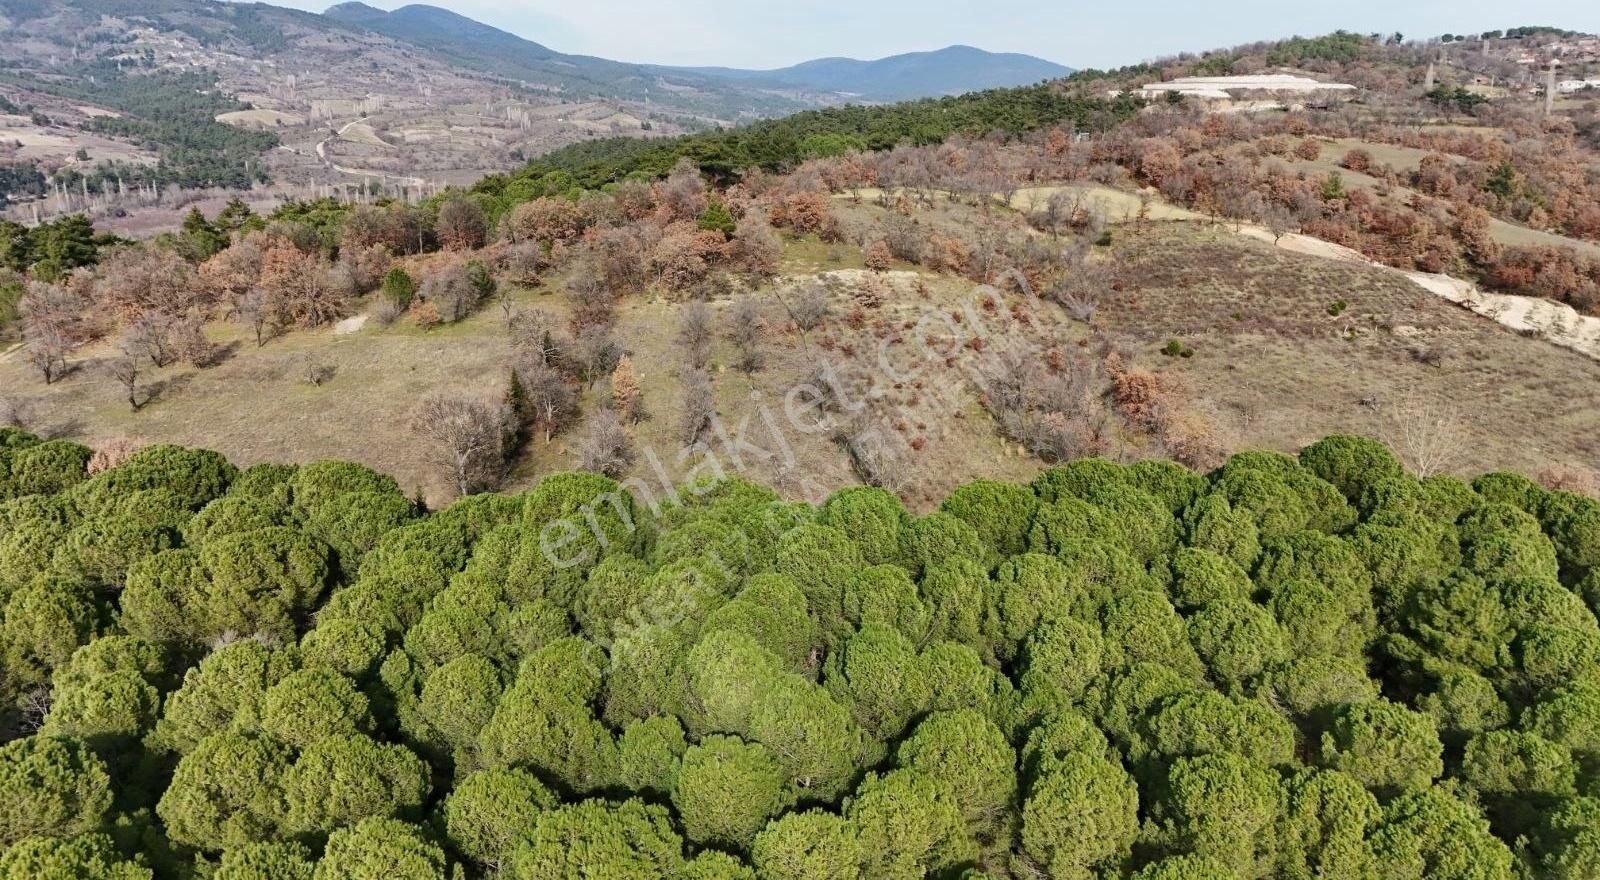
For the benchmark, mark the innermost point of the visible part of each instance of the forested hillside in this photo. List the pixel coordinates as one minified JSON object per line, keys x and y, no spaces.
{"x":1308,"y":668}
{"x":780,"y":145}
{"x":172,"y":112}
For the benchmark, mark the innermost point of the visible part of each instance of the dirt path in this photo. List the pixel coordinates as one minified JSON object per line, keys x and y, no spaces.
{"x":322,"y":153}
{"x":1556,"y":322}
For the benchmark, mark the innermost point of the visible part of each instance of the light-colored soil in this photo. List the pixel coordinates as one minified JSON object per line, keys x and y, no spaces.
{"x":267,"y":118}
{"x":1557,"y":322}
{"x":61,"y":145}
{"x":30,"y":136}
{"x":1117,"y":206}
{"x":361,"y":133}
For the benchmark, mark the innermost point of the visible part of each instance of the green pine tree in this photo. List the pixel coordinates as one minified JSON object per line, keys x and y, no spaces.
{"x":716,"y":217}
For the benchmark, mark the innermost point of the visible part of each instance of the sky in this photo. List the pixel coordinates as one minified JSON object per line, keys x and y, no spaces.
{"x":765,"y":34}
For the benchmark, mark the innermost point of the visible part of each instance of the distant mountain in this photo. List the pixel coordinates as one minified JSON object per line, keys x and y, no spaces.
{"x":442,"y":29}
{"x":355,"y":49}
{"x":949,"y":71}
{"x":470,"y":43}
{"x":473,"y":44}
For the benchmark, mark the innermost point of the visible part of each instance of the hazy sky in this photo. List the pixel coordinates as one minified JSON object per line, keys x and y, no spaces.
{"x":762,"y":33}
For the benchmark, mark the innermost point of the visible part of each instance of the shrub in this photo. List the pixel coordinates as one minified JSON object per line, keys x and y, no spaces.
{"x":1350,"y":463}
{"x":398,"y":289}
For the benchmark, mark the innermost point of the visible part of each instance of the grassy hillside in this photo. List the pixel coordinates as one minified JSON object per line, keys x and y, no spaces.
{"x":782,"y":144}
{"x":1271,"y":368}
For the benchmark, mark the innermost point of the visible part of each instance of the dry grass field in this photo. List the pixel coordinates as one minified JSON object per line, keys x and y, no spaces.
{"x":1282,"y":371}
{"x":256,"y":405}
{"x":1271,"y":367}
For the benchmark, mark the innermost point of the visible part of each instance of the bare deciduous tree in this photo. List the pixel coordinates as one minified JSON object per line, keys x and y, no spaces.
{"x":256,"y":311}
{"x":683,"y":193}
{"x":523,"y":261}
{"x":141,"y":280}
{"x":46,"y":349}
{"x":465,"y":435}
{"x":807,"y":308}
{"x":50,"y":325}
{"x":550,"y":397}
{"x":150,"y":334}
{"x":876,"y":451}
{"x":123,"y":366}
{"x":620,"y":255}
{"x":1057,"y":414}
{"x":1428,"y":435}
{"x":593,"y":301}
{"x":452,"y":292}
{"x":189,"y":342}
{"x":17,"y":412}
{"x":303,"y":288}
{"x":810,"y":307}
{"x":745,"y":330}
{"x":694,"y":333}
{"x":595,"y":352}
{"x":1060,"y":211}
{"x":1277,"y":219}
{"x":699,"y":405}
{"x":606,"y":448}
{"x":758,"y":248}
{"x":235,"y":269}
{"x":1084,"y":284}
{"x":461,"y":225}
{"x":533,"y":336}
{"x":32,"y":709}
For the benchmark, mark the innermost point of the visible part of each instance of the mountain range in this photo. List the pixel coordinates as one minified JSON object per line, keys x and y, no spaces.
{"x":417,"y":98}
{"x":952,"y":70}
{"x":947,"y":71}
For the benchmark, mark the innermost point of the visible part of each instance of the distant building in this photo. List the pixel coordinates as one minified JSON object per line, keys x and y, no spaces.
{"x":1261,"y":92}
{"x":1570,"y":86}
{"x":1245,"y":88}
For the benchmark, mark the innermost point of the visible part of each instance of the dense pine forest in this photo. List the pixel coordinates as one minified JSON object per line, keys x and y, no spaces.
{"x":173,"y":113}
{"x":781,"y":145}
{"x":1312,"y":668}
